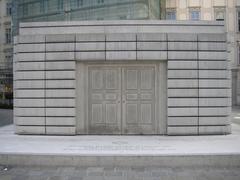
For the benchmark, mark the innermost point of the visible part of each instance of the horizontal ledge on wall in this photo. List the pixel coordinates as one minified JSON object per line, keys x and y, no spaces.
{"x":219,"y":97}
{"x":199,"y":87}
{"x":45,"y":98}
{"x":175,"y":78}
{"x":47,"y":125}
{"x":202,"y":116}
{"x":45,"y":70}
{"x":196,"y":106}
{"x":45,"y":61}
{"x":46,"y":107}
{"x":50,"y":79}
{"x":197,"y":60}
{"x":55,"y":88}
{"x":213,"y":125}
{"x":48,"y":116}
{"x":105,"y":41}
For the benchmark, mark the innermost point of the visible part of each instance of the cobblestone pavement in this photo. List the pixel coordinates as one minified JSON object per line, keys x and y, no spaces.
{"x":6,"y":117}
{"x":118,"y":173}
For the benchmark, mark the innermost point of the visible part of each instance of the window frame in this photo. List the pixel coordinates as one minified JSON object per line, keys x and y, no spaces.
{"x":100,"y":1}
{"x":172,"y":10}
{"x":8,"y":35}
{"x":238,"y":19}
{"x":196,"y":11}
{"x":217,"y":10}
{"x":8,"y":9}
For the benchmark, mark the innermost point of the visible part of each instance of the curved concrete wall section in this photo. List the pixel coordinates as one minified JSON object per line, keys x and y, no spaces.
{"x":198,"y":77}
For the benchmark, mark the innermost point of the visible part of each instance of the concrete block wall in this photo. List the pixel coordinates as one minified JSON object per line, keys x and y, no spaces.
{"x":199,"y":89}
{"x":44,"y":84}
{"x":198,"y":83}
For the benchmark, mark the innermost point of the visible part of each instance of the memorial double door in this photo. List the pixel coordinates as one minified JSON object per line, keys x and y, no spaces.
{"x":121,"y":100}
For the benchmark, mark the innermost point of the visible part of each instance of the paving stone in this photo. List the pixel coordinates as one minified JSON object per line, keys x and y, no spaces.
{"x":152,"y":178}
{"x":57,"y":178}
{"x":114,"y":178}
{"x":138,"y":169}
{"x":143,"y":174}
{"x":121,"y":173}
{"x":75,"y":178}
{"x":113,"y":173}
{"x":66,"y":171}
{"x":185,"y":177}
{"x":20,"y":177}
{"x":138,"y":175}
{"x":232,"y":178}
{"x":35,"y":173}
{"x":95,"y":173}
{"x":110,"y":169}
{"x":95,"y":169}
{"x":135,"y":178}
{"x":19,"y":171}
{"x":122,"y":168}
{"x":36,"y":178}
{"x":93,"y":178}
{"x":79,"y":173}
{"x":158,"y":174}
{"x":5,"y":177}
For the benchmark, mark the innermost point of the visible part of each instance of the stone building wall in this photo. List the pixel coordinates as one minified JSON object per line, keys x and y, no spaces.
{"x":209,"y":10}
{"x":193,"y":98}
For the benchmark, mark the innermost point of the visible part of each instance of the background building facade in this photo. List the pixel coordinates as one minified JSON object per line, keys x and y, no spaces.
{"x":5,"y":51}
{"x":14,"y":11}
{"x":214,"y":10}
{"x":70,"y":10}
{"x":59,"y":10}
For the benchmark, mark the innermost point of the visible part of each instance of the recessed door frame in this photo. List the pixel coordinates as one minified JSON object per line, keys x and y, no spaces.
{"x":82,"y":92}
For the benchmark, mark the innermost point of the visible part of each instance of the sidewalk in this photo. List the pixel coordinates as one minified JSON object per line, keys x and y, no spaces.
{"x":122,"y":150}
{"x":6,"y":117}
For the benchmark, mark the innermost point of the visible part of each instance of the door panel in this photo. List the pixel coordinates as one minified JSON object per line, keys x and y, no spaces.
{"x":121,"y":100}
{"x":104,"y":100}
{"x":138,"y":100}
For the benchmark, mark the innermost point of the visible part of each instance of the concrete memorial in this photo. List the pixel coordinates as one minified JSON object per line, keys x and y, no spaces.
{"x":121,"y":77}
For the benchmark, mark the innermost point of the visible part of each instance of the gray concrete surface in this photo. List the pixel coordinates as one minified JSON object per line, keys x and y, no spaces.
{"x":6,"y":117}
{"x":236,"y":114}
{"x":118,"y":173}
{"x":124,"y":173}
{"x":71,"y":46}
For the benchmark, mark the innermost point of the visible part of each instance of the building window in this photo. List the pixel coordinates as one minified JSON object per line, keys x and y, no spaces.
{"x":124,"y":17}
{"x":8,"y":59}
{"x":9,"y":9}
{"x":43,"y":5}
{"x":79,"y":3}
{"x":238,"y":20}
{"x":8,"y":36}
{"x":171,"y":14}
{"x":219,"y":14}
{"x":76,"y":4}
{"x":100,"y":1}
{"x":195,"y":14}
{"x":60,"y":4}
{"x":25,"y":10}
